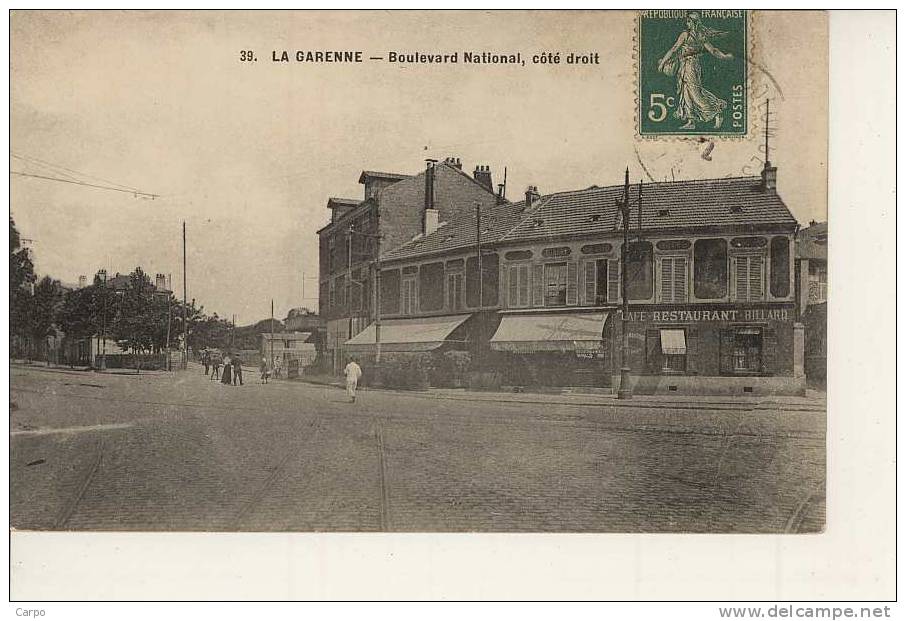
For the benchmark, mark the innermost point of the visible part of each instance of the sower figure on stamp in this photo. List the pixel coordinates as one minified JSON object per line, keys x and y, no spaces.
{"x":694,"y":102}
{"x":353,"y":372}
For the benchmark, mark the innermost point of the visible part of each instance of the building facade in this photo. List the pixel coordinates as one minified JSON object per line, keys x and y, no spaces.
{"x":811,"y":292}
{"x":709,"y":278}
{"x":395,"y":208}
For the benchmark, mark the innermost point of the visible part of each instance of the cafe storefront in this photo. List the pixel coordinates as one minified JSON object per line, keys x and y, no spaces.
{"x":726,"y":349}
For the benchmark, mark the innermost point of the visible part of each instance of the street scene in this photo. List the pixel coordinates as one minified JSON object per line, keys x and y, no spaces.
{"x":323,"y":290}
{"x":160,"y":451}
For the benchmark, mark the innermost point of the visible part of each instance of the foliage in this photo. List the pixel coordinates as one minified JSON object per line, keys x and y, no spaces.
{"x":21,"y":277}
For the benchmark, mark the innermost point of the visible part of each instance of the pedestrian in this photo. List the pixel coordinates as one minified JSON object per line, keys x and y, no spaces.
{"x":353,"y":372}
{"x":206,"y":361}
{"x":263,"y":369}
{"x":227,"y":376}
{"x":278,"y":368}
{"x":215,"y":366}
{"x":237,"y":370}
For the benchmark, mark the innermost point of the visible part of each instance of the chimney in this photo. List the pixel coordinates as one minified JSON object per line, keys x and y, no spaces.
{"x":83,"y":281}
{"x":500,"y":199}
{"x":531,"y":196}
{"x":430,"y":215}
{"x":768,"y":177}
{"x":454,"y":162}
{"x":160,"y":282}
{"x":482,"y":175}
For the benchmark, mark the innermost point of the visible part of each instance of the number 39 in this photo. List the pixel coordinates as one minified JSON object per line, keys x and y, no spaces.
{"x":657,"y":110}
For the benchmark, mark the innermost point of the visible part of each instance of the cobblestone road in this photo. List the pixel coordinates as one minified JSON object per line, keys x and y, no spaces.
{"x":178,"y":452}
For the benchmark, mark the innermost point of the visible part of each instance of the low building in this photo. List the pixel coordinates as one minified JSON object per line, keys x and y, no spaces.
{"x":290,"y":351}
{"x":709,"y":278}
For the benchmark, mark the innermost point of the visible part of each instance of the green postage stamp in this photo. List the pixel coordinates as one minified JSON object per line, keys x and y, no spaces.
{"x":692,"y":72}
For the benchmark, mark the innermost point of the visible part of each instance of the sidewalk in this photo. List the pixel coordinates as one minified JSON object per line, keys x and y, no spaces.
{"x":813,"y":402}
{"x":65,"y":368}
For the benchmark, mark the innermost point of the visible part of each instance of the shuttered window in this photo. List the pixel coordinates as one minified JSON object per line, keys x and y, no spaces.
{"x":596,"y":282}
{"x":590,"y":290}
{"x":613,"y":281}
{"x":518,"y":286}
{"x":673,"y":279}
{"x":572,"y":283}
{"x":410,"y":296}
{"x":748,"y":272}
{"x":538,"y":286}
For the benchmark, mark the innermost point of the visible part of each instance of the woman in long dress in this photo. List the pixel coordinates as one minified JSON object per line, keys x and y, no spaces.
{"x":226,"y":377}
{"x":694,"y":102}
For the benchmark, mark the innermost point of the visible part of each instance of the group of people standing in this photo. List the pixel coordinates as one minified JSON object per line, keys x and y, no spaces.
{"x":227,"y":369}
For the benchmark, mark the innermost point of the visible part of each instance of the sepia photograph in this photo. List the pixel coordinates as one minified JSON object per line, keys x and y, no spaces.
{"x":419,"y":272}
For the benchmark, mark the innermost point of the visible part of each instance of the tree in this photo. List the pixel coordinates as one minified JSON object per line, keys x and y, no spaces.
{"x":21,"y":278}
{"x":133,"y":326}
{"x":45,"y":302}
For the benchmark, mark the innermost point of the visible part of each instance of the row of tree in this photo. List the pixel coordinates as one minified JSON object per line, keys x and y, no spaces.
{"x":137,"y":316}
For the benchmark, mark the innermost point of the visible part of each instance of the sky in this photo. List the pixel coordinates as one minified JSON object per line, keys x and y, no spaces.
{"x":247,"y":153}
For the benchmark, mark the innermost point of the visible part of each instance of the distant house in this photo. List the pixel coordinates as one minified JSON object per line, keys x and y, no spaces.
{"x":291,"y":350}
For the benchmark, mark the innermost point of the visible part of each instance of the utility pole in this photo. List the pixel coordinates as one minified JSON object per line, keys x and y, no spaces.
{"x":185,"y":314}
{"x":104,"y":324}
{"x":272,"y":333}
{"x":233,"y":333}
{"x":624,"y":392}
{"x":480,"y":287}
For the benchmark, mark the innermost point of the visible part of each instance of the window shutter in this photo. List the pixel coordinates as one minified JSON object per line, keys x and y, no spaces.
{"x":667,"y":279}
{"x":613,"y":281}
{"x":756,"y":277}
{"x":653,"y":350}
{"x":572,"y":283}
{"x":727,"y":342}
{"x":513,"y":286}
{"x":742,"y":278}
{"x":538,"y":286}
{"x":589,"y":285}
{"x":769,"y":351}
{"x":679,"y":279}
{"x":691,"y":350}
{"x":523,"y":285}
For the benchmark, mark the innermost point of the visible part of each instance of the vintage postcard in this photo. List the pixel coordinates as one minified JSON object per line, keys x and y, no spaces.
{"x":422,"y":272}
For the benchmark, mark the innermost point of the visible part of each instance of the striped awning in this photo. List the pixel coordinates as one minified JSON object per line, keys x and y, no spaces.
{"x":558,"y":332}
{"x":673,"y":342}
{"x":422,"y":334}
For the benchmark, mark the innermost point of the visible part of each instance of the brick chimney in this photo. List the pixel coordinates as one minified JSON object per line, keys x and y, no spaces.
{"x":160,"y":282}
{"x":430,"y":216}
{"x":83,"y":281}
{"x":454,"y":162}
{"x":482,"y":175}
{"x":531,"y":196}
{"x":768,"y":177}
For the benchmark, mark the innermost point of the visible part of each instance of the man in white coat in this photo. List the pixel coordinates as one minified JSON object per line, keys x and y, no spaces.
{"x":353,"y":373}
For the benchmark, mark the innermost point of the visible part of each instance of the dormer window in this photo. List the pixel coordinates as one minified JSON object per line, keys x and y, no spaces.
{"x":663,"y":213}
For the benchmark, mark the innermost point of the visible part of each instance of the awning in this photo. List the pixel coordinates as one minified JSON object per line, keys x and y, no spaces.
{"x":673,"y":342}
{"x":563,"y":332}
{"x":423,"y":334}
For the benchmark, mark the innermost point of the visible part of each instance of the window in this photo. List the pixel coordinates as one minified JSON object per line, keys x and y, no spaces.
{"x":672,"y":271}
{"x":341,"y":291}
{"x":455,"y":284}
{"x":596,"y":248}
{"x":674,"y":244}
{"x":409,"y":303}
{"x":749,"y":276}
{"x":559,"y":251}
{"x":331,"y":254}
{"x":710,"y":277}
{"x":747,"y":350}
{"x":490,"y":279}
{"x":287,"y":344}
{"x":665,"y":350}
{"x":431,"y":287}
{"x":640,"y":271}
{"x":596,"y":282}
{"x":555,"y":284}
{"x":518,"y":255}
{"x":332,"y":296}
{"x":518,"y":286}
{"x":390,"y":292}
{"x":355,"y":291}
{"x":780,"y":267}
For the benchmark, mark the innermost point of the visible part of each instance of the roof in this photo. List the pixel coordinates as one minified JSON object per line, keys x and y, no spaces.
{"x":285,"y":336}
{"x":812,"y":242}
{"x":381,"y":175}
{"x":342,"y":202}
{"x":734,"y":201}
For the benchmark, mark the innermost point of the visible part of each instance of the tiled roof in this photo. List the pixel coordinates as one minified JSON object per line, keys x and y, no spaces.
{"x":812,"y":242}
{"x":665,"y":205}
{"x":461,"y":232}
{"x":731,"y":201}
{"x":381,"y":175}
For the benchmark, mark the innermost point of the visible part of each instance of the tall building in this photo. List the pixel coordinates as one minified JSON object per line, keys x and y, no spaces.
{"x":396,"y":208}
